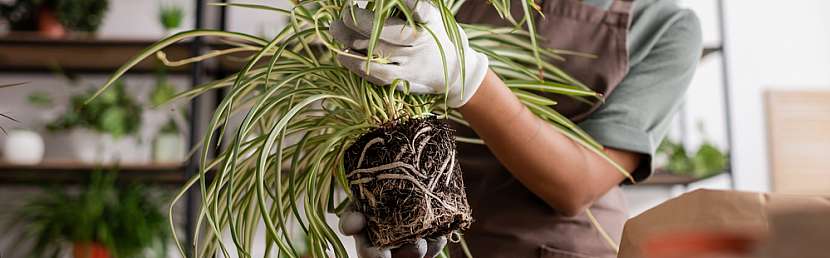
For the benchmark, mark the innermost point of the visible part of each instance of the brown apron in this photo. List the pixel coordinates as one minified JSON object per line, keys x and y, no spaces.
{"x":510,"y":221}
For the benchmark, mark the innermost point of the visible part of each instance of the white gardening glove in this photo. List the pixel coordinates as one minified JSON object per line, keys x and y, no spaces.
{"x":413,"y":53}
{"x":353,"y":223}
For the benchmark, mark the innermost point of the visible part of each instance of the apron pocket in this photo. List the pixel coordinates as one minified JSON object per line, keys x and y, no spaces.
{"x":551,"y":252}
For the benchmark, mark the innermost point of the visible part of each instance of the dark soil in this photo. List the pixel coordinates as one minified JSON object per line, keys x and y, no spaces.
{"x":406,"y":180}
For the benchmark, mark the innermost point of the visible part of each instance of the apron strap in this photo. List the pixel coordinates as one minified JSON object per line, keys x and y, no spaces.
{"x":621,"y":6}
{"x":619,"y":14}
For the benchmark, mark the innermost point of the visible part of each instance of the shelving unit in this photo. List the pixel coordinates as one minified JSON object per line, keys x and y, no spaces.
{"x":663,"y":178}
{"x":22,"y":52}
{"x":73,"y":172}
{"x":29,"y":53}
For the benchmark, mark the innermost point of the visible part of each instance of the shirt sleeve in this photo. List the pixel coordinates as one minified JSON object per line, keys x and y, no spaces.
{"x":638,"y":113}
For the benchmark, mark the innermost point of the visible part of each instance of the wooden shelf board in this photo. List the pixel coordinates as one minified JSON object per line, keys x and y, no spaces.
{"x":75,"y":172}
{"x":710,"y":50}
{"x":25,"y":52}
{"x":661,"y":177}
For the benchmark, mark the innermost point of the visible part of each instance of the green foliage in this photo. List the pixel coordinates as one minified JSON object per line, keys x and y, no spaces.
{"x":169,"y":128}
{"x":115,"y":113}
{"x":21,"y":14}
{"x":170,"y":16}
{"x":78,"y":15}
{"x":40,"y":99}
{"x":81,"y":15}
{"x":292,"y":88}
{"x":678,"y":159}
{"x":125,"y":219}
{"x":708,"y":160}
{"x":164,"y":91}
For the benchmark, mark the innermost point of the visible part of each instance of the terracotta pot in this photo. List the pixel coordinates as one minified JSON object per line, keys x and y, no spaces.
{"x":90,"y":250}
{"x":698,"y":244}
{"x":48,"y":24}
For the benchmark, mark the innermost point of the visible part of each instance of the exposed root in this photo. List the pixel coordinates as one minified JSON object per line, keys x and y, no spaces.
{"x":405,"y":179}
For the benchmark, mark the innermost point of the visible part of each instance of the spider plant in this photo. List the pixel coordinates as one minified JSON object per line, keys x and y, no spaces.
{"x":285,"y":165}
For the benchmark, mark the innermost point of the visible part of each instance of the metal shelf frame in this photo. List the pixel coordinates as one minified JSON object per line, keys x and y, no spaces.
{"x":78,"y":53}
{"x":720,"y":49}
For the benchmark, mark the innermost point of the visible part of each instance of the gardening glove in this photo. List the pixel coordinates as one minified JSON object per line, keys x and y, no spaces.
{"x":353,"y":223}
{"x":413,"y":53}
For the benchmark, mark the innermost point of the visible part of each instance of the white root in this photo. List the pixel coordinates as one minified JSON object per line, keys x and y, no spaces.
{"x":366,"y":147}
{"x":397,"y":164}
{"x":412,"y":179}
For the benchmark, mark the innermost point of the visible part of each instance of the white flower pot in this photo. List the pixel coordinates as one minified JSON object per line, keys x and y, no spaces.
{"x":96,"y":148}
{"x":24,"y":147}
{"x":169,"y":148}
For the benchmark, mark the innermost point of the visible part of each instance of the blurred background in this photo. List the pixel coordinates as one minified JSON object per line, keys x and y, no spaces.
{"x":756,"y":117}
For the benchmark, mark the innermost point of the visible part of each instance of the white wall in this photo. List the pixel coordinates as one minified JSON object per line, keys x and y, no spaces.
{"x":772,"y":45}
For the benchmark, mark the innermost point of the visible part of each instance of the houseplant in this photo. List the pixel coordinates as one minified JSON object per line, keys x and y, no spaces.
{"x":101,"y":220}
{"x":708,"y":160}
{"x":109,"y":122}
{"x":33,"y":15}
{"x":22,"y":146}
{"x":308,"y":122}
{"x":53,"y":18}
{"x":170,"y":16}
{"x":81,"y":15}
{"x":168,"y":144}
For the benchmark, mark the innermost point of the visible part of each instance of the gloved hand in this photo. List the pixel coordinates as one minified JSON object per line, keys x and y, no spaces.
{"x":353,"y":223}
{"x":413,"y":53}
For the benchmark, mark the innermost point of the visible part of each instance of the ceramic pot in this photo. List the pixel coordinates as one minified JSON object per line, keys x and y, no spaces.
{"x":89,"y":250}
{"x":91,"y":147}
{"x":168,"y":148}
{"x":24,"y":147}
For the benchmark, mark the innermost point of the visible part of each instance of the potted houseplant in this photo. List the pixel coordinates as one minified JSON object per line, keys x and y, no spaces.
{"x":28,"y":145}
{"x":307,"y":120}
{"x":102,"y":220}
{"x":54,"y":18}
{"x":83,"y":16}
{"x":170,"y":17}
{"x":168,"y":144}
{"x":707,"y":161}
{"x":33,"y":15}
{"x":103,"y":130}
{"x":22,"y":146}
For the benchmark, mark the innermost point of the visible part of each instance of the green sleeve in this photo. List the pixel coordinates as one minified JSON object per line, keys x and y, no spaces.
{"x":638,"y":113}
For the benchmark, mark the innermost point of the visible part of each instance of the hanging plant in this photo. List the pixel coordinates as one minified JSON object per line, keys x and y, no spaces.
{"x":317,"y":136}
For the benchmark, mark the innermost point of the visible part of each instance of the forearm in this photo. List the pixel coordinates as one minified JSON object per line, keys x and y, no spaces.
{"x":560,"y":171}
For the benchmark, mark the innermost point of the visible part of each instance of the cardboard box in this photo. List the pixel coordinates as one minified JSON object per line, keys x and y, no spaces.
{"x":729,"y":213}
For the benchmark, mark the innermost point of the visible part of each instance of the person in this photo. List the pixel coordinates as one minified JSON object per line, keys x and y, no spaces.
{"x":530,"y":186}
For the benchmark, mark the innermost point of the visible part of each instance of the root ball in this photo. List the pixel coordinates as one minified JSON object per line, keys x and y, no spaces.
{"x":407,"y":182}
